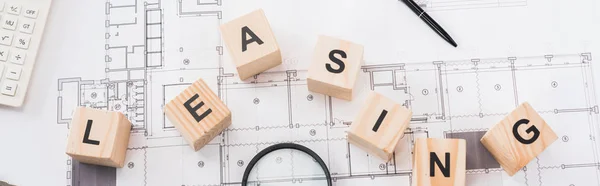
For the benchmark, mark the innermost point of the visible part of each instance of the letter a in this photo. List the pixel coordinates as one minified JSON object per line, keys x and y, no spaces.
{"x":192,"y":110}
{"x":86,"y":135}
{"x":253,"y":38}
{"x":433,"y":160}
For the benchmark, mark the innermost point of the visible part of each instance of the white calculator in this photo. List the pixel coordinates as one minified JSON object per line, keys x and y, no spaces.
{"x":22,"y":25}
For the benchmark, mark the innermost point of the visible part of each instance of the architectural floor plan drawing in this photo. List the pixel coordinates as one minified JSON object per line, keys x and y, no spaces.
{"x":154,"y":49}
{"x":433,"y":5}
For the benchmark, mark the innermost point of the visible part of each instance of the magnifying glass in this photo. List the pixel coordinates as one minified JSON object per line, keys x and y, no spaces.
{"x":261,"y":171}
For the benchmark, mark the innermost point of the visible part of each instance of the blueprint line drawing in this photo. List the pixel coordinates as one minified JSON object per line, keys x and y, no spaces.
{"x":154,"y":49}
{"x":437,"y":5}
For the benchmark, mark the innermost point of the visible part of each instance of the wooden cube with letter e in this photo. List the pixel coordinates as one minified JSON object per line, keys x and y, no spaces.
{"x":518,"y":138}
{"x":439,"y":162}
{"x":98,"y":137}
{"x":251,"y":43}
{"x":198,"y":114}
{"x":379,"y":126}
{"x":335,"y":67}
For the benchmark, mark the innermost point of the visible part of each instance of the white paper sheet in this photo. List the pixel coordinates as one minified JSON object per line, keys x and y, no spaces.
{"x":133,"y":56}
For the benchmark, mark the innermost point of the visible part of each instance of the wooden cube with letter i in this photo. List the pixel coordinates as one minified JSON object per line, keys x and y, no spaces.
{"x":518,"y":138}
{"x":198,"y":114}
{"x":98,"y":137}
{"x":251,"y":43}
{"x":335,"y":67}
{"x":379,"y":126}
{"x":439,"y":162}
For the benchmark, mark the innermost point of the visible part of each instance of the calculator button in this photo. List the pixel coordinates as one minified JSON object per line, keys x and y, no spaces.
{"x":27,"y":26}
{"x":6,"y":37}
{"x":17,"y":57}
{"x":1,"y":70}
{"x":9,"y":88}
{"x":13,"y":9}
{"x":13,"y":72}
{"x":3,"y":54}
{"x":22,"y":41}
{"x":31,"y":12}
{"x":10,"y":22}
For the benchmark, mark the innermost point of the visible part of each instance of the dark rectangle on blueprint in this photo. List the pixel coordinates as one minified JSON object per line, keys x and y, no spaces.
{"x":477,"y":155}
{"x":93,"y":175}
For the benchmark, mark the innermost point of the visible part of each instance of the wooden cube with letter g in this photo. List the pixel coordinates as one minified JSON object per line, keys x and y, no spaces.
{"x":518,"y":138}
{"x":379,"y":126}
{"x":335,"y":67}
{"x":98,"y":137}
{"x":251,"y":43}
{"x":199,"y":114}
{"x":439,"y":162}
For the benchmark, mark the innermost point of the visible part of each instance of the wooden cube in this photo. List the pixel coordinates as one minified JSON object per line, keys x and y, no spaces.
{"x":98,"y":137}
{"x":518,"y":138}
{"x":198,"y":114}
{"x":335,"y":67}
{"x":251,"y":43}
{"x":439,"y":162}
{"x":379,"y":126}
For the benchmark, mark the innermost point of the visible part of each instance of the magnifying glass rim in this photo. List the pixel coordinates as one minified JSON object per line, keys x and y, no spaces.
{"x":280,"y":146}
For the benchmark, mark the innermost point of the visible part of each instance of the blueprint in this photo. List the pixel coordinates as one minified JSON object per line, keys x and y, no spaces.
{"x":142,"y":53}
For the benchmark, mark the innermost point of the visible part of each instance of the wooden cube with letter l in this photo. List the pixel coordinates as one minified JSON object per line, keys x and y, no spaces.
{"x":518,"y":138}
{"x":98,"y":137}
{"x":335,"y":67}
{"x":198,"y":114}
{"x":439,"y":162}
{"x":379,"y":126}
{"x":251,"y":43}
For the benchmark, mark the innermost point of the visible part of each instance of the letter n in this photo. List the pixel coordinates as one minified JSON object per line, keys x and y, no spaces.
{"x":434,"y":160}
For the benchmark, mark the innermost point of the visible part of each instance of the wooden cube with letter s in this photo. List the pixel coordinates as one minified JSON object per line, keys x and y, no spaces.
{"x":335,"y":67}
{"x":199,"y":114}
{"x":379,"y":126}
{"x":98,"y":137}
{"x":439,"y":162}
{"x":251,"y":43}
{"x":518,"y":138}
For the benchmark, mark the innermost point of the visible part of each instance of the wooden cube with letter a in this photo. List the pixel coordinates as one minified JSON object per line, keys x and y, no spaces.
{"x":335,"y":67}
{"x":518,"y":138}
{"x":198,"y":114}
{"x":98,"y":137}
{"x":251,"y":43}
{"x":379,"y":126}
{"x":439,"y":162}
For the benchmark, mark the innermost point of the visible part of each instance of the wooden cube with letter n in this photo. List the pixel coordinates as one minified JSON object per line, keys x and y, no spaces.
{"x":335,"y":67}
{"x":439,"y":162}
{"x":98,"y":137}
{"x":251,"y":43}
{"x":379,"y":126}
{"x":198,"y":114}
{"x":518,"y":138}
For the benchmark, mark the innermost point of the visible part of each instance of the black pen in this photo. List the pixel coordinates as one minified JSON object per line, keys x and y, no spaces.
{"x":425,"y":17}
